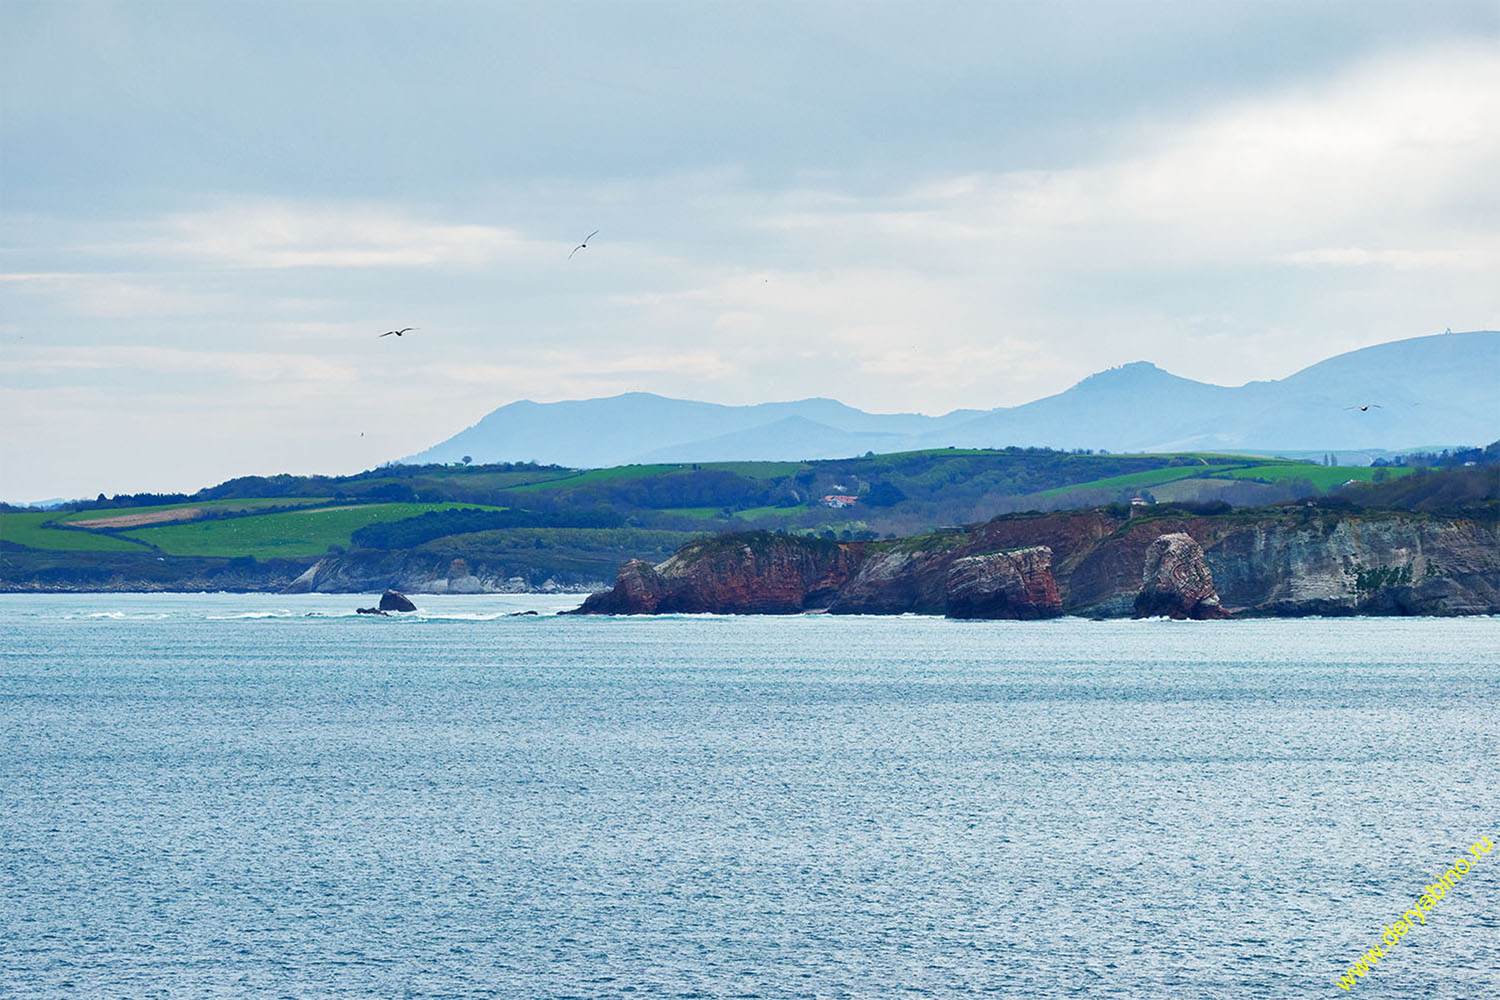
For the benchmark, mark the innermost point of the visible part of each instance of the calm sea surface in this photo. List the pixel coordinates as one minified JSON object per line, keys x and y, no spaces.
{"x":252,"y":796}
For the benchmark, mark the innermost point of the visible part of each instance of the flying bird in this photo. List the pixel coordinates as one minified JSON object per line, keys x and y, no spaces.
{"x":398,"y":333}
{"x":1365,"y":408}
{"x":584,"y":245}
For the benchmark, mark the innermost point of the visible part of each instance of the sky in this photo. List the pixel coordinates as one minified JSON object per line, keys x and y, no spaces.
{"x":210,"y":211}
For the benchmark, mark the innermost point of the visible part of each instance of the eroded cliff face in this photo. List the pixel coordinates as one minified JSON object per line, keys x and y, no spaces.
{"x":752,"y":573}
{"x":638,"y":590}
{"x":1286,"y":561}
{"x":1017,"y":584}
{"x":910,"y":576}
{"x":418,"y":573}
{"x":938,"y":575}
{"x":1377,"y":564}
{"x":1176,"y":581}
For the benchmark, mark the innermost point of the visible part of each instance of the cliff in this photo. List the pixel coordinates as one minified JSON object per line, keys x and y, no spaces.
{"x":752,"y":573}
{"x":1015,"y":584}
{"x":1176,"y":581}
{"x":419,"y":572}
{"x":1287,"y":561}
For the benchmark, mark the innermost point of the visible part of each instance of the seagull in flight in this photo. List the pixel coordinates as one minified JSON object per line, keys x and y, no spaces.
{"x":585,"y":244}
{"x":1365,"y":408}
{"x":398,"y":333}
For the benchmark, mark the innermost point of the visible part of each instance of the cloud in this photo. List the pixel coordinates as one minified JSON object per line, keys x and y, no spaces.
{"x":113,"y":296}
{"x":247,"y":366}
{"x":1399,"y":145}
{"x":281,"y":234}
{"x":1404,"y":260}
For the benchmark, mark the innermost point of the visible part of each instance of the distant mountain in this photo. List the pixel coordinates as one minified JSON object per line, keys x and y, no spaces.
{"x":1423,"y":392}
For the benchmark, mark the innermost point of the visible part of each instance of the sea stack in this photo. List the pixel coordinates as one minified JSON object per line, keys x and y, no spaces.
{"x":1176,"y":582}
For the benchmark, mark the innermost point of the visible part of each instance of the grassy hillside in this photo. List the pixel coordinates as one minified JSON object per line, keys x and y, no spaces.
{"x":540,"y":522}
{"x":285,"y":535}
{"x":32,"y":529}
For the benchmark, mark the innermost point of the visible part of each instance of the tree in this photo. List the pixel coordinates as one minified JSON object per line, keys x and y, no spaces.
{"x":884,"y":494}
{"x":467,"y":459}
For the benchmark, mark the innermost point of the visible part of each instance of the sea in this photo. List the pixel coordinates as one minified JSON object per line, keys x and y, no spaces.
{"x":230,"y":795}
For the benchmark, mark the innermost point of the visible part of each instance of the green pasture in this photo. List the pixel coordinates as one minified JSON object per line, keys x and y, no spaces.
{"x":1150,"y":477}
{"x":1324,"y":477}
{"x":757,"y":470}
{"x":601,"y":476}
{"x":82,"y":517}
{"x":290,"y":535}
{"x":697,"y":513}
{"x":29,"y":528}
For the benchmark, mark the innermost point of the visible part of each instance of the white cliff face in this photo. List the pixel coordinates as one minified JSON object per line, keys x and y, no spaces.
{"x":414,"y":573}
{"x":1351,"y":564}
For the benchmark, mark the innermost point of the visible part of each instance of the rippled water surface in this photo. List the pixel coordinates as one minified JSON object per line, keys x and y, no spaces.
{"x":230,"y":795}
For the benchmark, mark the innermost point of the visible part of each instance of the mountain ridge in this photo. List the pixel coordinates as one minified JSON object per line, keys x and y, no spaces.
{"x":1420,"y":390}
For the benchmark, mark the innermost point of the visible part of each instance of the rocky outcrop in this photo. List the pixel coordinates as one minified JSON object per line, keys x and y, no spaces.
{"x":638,"y":590}
{"x":418,"y":572}
{"x":759,"y":573}
{"x":1380,"y":564}
{"x":393,"y":601}
{"x":752,"y":573}
{"x":909,"y":576}
{"x":1176,"y":581}
{"x":1286,"y":561}
{"x":1017,"y":584}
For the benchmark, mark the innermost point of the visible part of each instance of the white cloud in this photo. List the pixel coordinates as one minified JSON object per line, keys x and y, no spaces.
{"x":247,"y":366}
{"x":113,"y":296}
{"x":1406,"y":146}
{"x":282,"y":234}
{"x":1405,"y":260}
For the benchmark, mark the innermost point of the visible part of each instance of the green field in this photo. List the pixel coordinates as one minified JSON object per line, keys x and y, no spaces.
{"x":288,"y":535}
{"x":600,"y":476}
{"x":1150,"y":477}
{"x":82,"y":517}
{"x":757,"y":470}
{"x":26,"y":528}
{"x":1324,"y":477}
{"x":697,"y":513}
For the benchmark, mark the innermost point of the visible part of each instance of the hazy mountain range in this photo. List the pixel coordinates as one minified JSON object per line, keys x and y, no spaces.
{"x":1425,"y":391}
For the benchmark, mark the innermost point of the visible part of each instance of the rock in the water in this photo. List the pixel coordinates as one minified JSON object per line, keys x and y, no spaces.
{"x":392,"y":601}
{"x":1176,"y":581}
{"x":370,"y":611}
{"x":1016,"y":584}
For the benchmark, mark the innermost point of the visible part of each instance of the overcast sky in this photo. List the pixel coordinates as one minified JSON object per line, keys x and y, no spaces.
{"x":210,"y":210}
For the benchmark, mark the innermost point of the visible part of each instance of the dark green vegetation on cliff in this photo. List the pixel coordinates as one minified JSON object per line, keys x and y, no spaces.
{"x":518,"y":526}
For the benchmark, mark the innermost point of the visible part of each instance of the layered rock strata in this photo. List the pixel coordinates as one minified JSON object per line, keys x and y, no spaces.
{"x":1282,"y":562}
{"x":1017,"y":584}
{"x":752,"y":573}
{"x":1176,"y":581}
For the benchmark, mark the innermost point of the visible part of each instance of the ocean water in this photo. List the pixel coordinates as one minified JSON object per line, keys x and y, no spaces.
{"x":257,"y":796}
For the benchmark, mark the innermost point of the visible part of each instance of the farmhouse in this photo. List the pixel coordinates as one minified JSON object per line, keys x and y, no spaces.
{"x":838,"y":500}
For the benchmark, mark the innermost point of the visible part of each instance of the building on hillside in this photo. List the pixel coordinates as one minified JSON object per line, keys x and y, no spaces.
{"x":838,"y":500}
